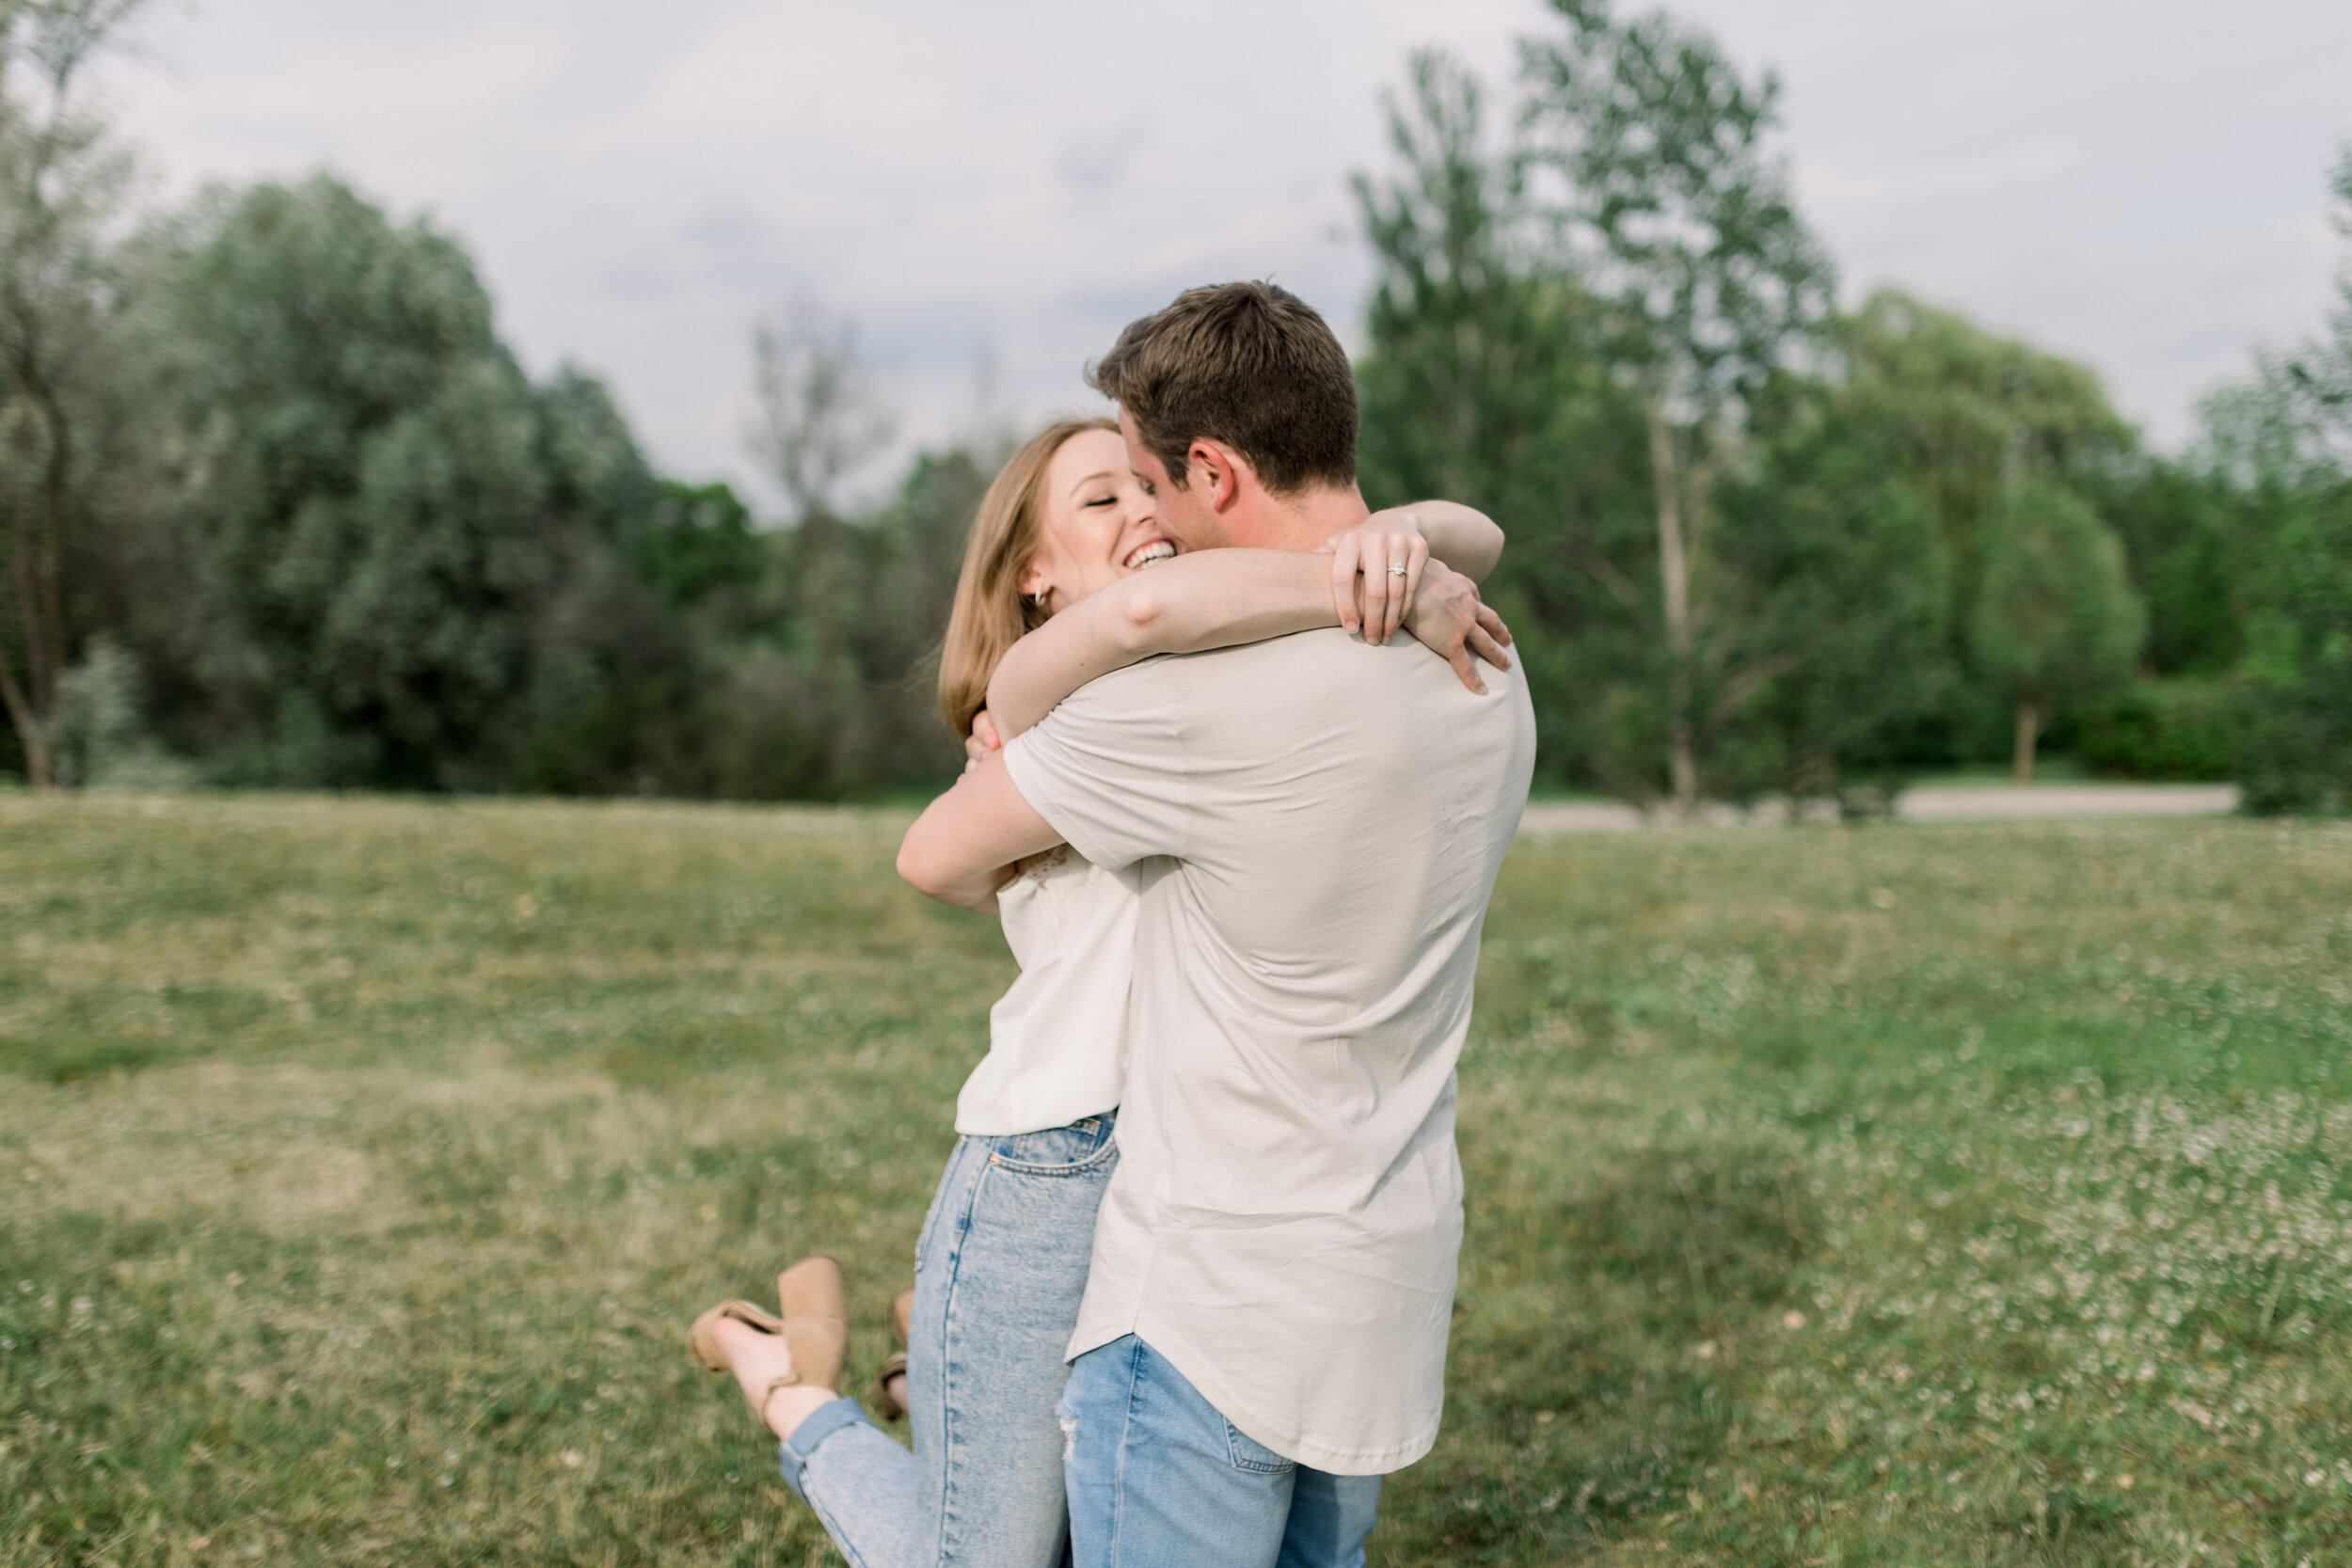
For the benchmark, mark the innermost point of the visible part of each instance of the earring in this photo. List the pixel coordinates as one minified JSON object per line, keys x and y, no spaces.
{"x":1039,"y":597}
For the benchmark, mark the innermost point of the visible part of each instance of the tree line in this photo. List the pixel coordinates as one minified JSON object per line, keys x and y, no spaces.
{"x":1762,"y":543}
{"x":282,"y":510}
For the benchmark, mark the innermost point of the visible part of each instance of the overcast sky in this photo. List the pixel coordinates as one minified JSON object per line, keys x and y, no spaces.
{"x":2137,"y":182}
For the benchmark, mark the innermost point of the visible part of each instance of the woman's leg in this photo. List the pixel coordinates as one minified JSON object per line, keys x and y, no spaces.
{"x":999,"y":1272}
{"x":860,"y":1482}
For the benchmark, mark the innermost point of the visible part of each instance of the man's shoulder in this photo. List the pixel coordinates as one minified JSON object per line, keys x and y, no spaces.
{"x":1329,"y":690}
{"x":1325,"y":660}
{"x":1125,"y":707}
{"x":1299,"y":654}
{"x":1120,"y":690}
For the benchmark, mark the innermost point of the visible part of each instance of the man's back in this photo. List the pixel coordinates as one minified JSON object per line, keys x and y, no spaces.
{"x":1328,"y":819}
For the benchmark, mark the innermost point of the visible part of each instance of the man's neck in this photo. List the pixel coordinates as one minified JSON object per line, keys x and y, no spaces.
{"x":1303,"y":521}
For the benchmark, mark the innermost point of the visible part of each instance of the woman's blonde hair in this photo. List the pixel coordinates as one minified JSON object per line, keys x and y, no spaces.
{"x":990,"y":614}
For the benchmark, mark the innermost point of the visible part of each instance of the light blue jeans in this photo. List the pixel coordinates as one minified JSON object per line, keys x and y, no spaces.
{"x":998,"y":1273}
{"x":1159,"y":1480}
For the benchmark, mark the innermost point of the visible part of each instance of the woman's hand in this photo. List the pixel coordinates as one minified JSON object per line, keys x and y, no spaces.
{"x":1448,"y":618}
{"x":1375,"y":570}
{"x":984,"y":742}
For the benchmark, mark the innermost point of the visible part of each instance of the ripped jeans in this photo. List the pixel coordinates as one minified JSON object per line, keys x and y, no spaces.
{"x":1158,"y":1479}
{"x":999,"y":1270}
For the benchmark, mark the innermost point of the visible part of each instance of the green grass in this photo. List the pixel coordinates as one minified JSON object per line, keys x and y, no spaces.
{"x":1890,"y":1194}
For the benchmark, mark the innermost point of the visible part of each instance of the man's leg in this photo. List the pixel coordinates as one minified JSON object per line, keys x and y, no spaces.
{"x":1330,"y":1515}
{"x":1157,"y":1478}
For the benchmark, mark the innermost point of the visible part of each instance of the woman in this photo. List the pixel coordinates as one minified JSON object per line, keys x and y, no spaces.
{"x":1049,"y":598}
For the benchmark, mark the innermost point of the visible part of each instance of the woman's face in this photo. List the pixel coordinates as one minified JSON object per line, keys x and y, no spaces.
{"x":1096,"y":524}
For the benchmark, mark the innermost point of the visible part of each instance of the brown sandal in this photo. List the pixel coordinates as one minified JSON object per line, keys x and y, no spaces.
{"x":815,"y":1314}
{"x":703,"y":1345}
{"x":901,"y":1313}
{"x":811,"y":1327}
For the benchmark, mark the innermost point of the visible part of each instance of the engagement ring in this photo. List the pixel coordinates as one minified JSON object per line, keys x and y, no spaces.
{"x":1396,"y":571}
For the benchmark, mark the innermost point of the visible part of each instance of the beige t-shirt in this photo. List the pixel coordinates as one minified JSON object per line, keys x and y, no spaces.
{"x":1317,"y":825}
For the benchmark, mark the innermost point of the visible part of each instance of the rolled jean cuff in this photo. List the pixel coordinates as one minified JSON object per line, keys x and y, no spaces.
{"x":793,"y":1453}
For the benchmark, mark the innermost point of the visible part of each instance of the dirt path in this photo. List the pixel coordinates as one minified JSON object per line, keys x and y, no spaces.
{"x":1945,"y":803}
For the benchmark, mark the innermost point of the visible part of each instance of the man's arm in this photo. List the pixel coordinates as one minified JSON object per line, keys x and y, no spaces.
{"x":962,"y":850}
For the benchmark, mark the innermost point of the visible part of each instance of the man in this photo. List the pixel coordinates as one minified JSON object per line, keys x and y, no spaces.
{"x":1317,"y":823}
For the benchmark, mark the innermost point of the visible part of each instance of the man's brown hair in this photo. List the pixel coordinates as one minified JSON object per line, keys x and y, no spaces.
{"x":1248,"y":364}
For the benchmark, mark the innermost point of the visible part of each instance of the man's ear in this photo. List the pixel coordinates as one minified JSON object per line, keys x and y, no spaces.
{"x":1218,"y":471}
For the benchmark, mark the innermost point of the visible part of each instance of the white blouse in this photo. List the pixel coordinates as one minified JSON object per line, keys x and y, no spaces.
{"x":1057,"y":1039}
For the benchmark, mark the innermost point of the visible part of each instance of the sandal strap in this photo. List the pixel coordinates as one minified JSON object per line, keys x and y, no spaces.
{"x":782,"y":1380}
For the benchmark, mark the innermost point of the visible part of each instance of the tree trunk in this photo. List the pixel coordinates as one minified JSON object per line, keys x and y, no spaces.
{"x":55,"y":497}
{"x":39,"y":771}
{"x":32,"y":701}
{"x":2028,"y":731}
{"x":1674,"y":573}
{"x":49,"y":190}
{"x":28,"y":702}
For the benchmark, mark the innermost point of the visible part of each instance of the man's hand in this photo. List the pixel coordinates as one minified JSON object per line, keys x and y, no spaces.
{"x":1447,"y":617}
{"x":1368,"y":589}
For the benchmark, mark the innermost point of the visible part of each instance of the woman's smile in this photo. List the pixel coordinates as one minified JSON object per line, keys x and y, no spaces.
{"x":1096,"y":524}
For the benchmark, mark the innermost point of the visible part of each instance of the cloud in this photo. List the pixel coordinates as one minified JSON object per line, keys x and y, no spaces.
{"x":640,"y":180}
{"x":1826,"y":185}
{"x":1094,"y":161}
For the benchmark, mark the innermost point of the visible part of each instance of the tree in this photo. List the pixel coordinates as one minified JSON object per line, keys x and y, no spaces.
{"x":376,"y":512}
{"x":1489,"y":377}
{"x":2293,"y":741}
{"x":1482,"y":382}
{"x":1667,"y":203}
{"x":2055,"y":619}
{"x":61,"y":181}
{"x":1963,"y":416}
{"x":2185,"y":533}
{"x":1467,"y":346}
{"x":820,"y":420}
{"x":1844,"y":584}
{"x":698,"y":541}
{"x":2282,"y":447}
{"x":2314,"y":384}
{"x":1967,"y":414}
{"x":2183,"y":542}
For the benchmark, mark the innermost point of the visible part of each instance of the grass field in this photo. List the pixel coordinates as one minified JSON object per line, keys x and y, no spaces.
{"x":1882,"y":1195}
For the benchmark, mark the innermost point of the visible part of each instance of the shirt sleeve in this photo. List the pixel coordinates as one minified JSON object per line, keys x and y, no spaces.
{"x":1106,"y":768}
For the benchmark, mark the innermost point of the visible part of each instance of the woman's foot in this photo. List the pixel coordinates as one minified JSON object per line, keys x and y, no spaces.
{"x":890,"y":1383}
{"x":758,"y":1361}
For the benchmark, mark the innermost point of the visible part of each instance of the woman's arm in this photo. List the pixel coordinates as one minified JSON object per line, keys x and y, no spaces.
{"x":1215,"y":599}
{"x":1377,"y":565}
{"x":1462,"y":536}
{"x":963,"y":846}
{"x":1208,"y":599}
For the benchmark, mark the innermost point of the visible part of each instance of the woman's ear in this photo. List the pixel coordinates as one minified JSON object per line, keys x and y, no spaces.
{"x":1034,"y":581}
